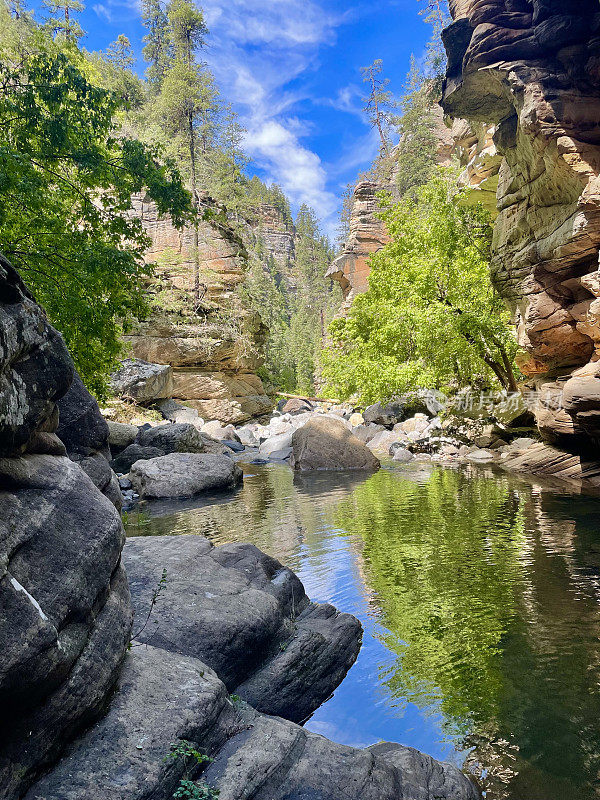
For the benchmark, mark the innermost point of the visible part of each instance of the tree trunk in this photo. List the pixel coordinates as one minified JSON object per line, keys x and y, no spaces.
{"x":195,"y":205}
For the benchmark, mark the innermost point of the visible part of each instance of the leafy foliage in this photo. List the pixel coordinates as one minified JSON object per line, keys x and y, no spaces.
{"x":191,"y":757}
{"x":66,"y":182}
{"x":430,"y":317}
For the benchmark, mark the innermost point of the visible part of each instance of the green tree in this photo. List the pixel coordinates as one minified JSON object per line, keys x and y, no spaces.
{"x":181,"y":100}
{"x":120,"y":53}
{"x":62,"y":21}
{"x":430,"y":317}
{"x":379,"y":104}
{"x":66,"y":183}
{"x":416,"y":154}
{"x":157,"y":42}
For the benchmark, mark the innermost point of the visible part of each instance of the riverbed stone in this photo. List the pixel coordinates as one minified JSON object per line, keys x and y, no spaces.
{"x":184,"y":475}
{"x":327,"y":443}
{"x":250,"y":621}
{"x":135,"y":452}
{"x":121,"y":435}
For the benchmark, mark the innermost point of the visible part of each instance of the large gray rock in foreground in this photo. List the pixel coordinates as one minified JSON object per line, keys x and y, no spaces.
{"x":142,"y":381}
{"x":250,"y":621}
{"x":85,"y":434}
{"x":64,"y":603}
{"x":184,"y":475}
{"x":166,"y":697}
{"x":327,"y":443}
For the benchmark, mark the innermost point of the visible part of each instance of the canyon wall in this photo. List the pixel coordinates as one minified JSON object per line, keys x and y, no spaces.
{"x":532,"y":69}
{"x":471,"y":144}
{"x":214,"y":346}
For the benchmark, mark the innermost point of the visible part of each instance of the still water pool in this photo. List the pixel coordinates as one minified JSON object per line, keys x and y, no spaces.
{"x":479,"y":594}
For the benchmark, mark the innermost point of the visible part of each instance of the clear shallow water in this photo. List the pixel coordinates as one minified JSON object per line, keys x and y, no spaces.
{"x":479,"y":594}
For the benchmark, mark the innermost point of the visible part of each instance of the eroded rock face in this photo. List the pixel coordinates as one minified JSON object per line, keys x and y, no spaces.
{"x":64,"y":603}
{"x":367,"y":235}
{"x":532,"y":68}
{"x":214,"y":345}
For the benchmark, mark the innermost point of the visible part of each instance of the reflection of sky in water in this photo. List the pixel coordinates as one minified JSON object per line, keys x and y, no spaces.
{"x":511,"y":566}
{"x":361,"y":711}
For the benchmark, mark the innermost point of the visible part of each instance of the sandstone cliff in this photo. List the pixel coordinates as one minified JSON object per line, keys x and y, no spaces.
{"x":214,"y":346}
{"x":471,"y":144}
{"x":532,"y":68}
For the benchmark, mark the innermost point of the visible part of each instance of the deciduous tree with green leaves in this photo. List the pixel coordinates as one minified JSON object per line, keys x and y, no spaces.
{"x":66,"y":183}
{"x":430,"y":317}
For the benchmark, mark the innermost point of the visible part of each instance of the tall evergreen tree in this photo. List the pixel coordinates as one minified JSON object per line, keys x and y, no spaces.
{"x":156,"y":41}
{"x":63,"y":22}
{"x":182,"y":99}
{"x":379,"y":103}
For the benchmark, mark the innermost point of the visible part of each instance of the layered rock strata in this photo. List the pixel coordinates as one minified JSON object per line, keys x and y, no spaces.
{"x":64,"y":602}
{"x":532,"y":68}
{"x":214,"y":345}
{"x":472,"y":145}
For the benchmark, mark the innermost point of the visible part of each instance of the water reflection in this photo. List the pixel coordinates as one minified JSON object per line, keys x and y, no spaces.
{"x":479,"y":598}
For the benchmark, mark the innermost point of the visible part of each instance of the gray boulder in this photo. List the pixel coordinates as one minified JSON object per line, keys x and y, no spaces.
{"x":296,"y":405}
{"x":65,"y":619}
{"x":175,"y":411}
{"x":251,"y":621}
{"x":167,"y":698}
{"x":281,"y":441}
{"x":184,"y":475}
{"x":135,"y":452}
{"x":327,"y":443}
{"x":403,"y":456}
{"x":142,"y":381}
{"x":121,"y":435}
{"x":179,"y":437}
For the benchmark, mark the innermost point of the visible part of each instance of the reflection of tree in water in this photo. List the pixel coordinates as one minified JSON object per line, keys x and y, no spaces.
{"x":494,"y":620}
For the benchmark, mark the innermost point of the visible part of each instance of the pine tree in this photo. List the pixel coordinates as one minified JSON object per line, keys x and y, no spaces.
{"x":120,"y":53}
{"x":182,"y":99}
{"x":157,"y":41}
{"x":62,"y":23}
{"x":379,"y":103}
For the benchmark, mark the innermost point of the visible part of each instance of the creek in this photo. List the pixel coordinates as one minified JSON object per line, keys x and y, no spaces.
{"x":479,"y":594}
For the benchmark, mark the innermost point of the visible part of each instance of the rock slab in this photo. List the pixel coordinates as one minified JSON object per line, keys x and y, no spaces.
{"x":184,"y":475}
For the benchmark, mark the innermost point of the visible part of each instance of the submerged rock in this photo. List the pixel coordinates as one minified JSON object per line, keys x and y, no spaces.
{"x":327,"y":443}
{"x":184,"y":474}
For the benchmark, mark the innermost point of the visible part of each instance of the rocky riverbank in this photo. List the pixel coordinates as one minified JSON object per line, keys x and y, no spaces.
{"x":181,"y":701}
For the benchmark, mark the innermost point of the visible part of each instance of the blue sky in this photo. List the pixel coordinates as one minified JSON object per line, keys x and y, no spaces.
{"x":291,"y":68}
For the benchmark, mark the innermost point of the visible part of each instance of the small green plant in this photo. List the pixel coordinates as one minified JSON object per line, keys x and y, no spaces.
{"x":160,"y":586}
{"x":189,"y":789}
{"x":235,"y":698}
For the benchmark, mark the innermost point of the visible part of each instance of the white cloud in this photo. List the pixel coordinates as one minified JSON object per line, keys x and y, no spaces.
{"x":256,"y":49}
{"x":103,"y":11}
{"x":295,"y":168}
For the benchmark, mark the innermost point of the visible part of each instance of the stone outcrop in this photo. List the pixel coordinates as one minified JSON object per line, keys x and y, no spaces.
{"x":532,"y":68}
{"x":231,"y":619}
{"x":255,"y":757}
{"x":214,"y":344}
{"x":64,"y":602}
{"x":366,"y":235}
{"x":278,"y":234}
